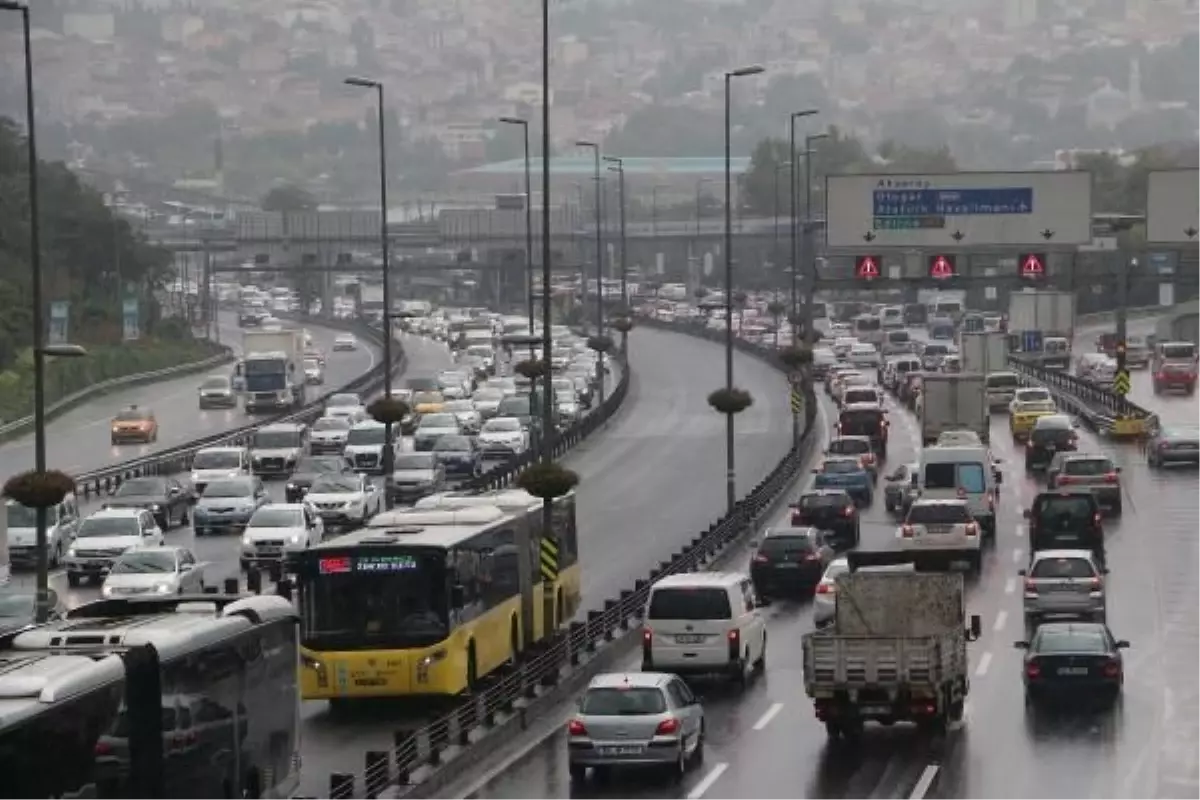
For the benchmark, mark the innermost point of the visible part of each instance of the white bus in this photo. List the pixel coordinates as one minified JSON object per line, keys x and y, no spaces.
{"x":154,"y":697}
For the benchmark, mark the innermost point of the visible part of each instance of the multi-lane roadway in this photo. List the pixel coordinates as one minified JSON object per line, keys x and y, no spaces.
{"x":652,"y":478}
{"x":765,"y":742}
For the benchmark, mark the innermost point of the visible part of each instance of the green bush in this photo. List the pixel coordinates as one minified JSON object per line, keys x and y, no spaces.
{"x":65,"y":376}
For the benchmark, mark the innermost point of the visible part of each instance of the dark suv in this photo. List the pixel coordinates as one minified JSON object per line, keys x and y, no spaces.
{"x":789,"y":561}
{"x":1061,"y":520}
{"x":865,"y":419}
{"x":830,"y":510}
{"x":1051,"y":434}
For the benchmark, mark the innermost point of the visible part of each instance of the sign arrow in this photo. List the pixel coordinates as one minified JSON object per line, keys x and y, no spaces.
{"x":869,"y":236}
{"x":958,"y":236}
{"x":1047,"y":234}
{"x":1191,"y":232}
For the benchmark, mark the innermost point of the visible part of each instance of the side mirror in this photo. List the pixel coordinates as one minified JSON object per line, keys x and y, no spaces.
{"x":976,"y":627}
{"x":816,"y":471}
{"x":185,"y":567}
{"x":1122,"y":644}
{"x":1104,"y":570}
{"x":1021,"y":572}
{"x":458,"y":596}
{"x":1021,"y":645}
{"x":1025,"y":513}
{"x":1116,"y":469}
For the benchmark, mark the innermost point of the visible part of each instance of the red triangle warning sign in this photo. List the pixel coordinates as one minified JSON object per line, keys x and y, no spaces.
{"x":867,"y":267}
{"x":941,"y":267}
{"x":1033,"y":265}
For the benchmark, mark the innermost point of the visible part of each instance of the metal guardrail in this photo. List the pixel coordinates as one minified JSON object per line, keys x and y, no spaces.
{"x":1103,"y":411}
{"x":563,"y":660}
{"x":176,"y":459}
{"x":65,"y":404}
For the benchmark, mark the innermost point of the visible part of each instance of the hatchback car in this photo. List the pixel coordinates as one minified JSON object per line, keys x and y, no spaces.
{"x":1090,"y":472}
{"x":134,"y":424}
{"x":901,"y":488}
{"x":154,"y":571}
{"x":825,"y":593}
{"x":1066,"y":519}
{"x":1068,"y":660}
{"x":1051,"y":434}
{"x":635,"y":719}
{"x":848,"y":474}
{"x":1066,"y":583}
{"x":859,"y":447}
{"x":789,"y":561}
{"x":830,"y":510}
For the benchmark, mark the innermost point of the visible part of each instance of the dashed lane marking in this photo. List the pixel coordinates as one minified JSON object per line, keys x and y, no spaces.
{"x":985,"y":661}
{"x":924,"y":782}
{"x":706,"y":783}
{"x":767,"y":716}
{"x":1010,"y":585}
{"x":1001,"y":620}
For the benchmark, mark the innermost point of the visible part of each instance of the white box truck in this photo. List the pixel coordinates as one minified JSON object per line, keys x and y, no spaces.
{"x":272,"y":369}
{"x":983,"y":352}
{"x":1042,"y":326}
{"x":953,"y":402}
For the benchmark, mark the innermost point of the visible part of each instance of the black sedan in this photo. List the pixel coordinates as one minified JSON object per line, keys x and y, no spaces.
{"x":1051,"y":435}
{"x":1069,"y":661}
{"x":789,"y":561}
{"x":830,"y":510}
{"x":163,"y":497}
{"x":308,"y":469}
{"x":459,"y":456}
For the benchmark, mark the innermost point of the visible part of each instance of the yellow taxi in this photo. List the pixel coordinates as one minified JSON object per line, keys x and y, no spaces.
{"x":428,"y":402}
{"x":134,"y":424}
{"x":1027,"y":407}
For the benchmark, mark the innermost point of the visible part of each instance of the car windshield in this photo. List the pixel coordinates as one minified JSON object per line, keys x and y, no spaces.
{"x":849,"y":447}
{"x":1087,"y":466}
{"x":217,"y":459}
{"x":336,"y":484}
{"x":138,"y":562}
{"x":427,"y":398}
{"x":316,"y":465}
{"x":331,"y":424}
{"x":343,"y":401}
{"x":109,"y":526}
{"x":687,"y":602}
{"x":1034,"y":396}
{"x":1065,"y":511}
{"x":438,"y":421}
{"x":20,"y":516}
{"x":1006,"y":381}
{"x":840,"y":466}
{"x":269,"y":440}
{"x":131,"y":415}
{"x":268,"y":517}
{"x":1070,"y":640}
{"x":782,"y":544}
{"x":17,"y":605}
{"x":1062,"y":568}
{"x":458,"y":406}
{"x":215,"y":382}
{"x":141,"y":487}
{"x":935,"y":350}
{"x":965,"y":475}
{"x":502,"y":425}
{"x":515,"y":406}
{"x":1179,"y":352}
{"x":938,"y":513}
{"x":228,"y":489}
{"x":632,"y":701}
{"x":311,"y":364}
{"x":813,"y":501}
{"x":488,"y":395}
{"x":453,"y":444}
{"x":414,"y":461}
{"x":370,"y":434}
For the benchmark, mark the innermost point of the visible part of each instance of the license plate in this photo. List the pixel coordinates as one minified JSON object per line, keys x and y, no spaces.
{"x":689,"y":638}
{"x":1073,"y":671}
{"x":1050,"y":447}
{"x":270,"y":550}
{"x":623,"y":750}
{"x":787,"y":565}
{"x":875,"y":710}
{"x":370,"y":681}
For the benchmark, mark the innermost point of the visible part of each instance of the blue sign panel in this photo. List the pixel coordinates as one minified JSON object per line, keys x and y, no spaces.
{"x":1031,"y":341}
{"x":915,"y":208}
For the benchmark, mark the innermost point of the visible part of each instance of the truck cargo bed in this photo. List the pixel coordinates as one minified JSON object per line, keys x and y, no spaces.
{"x":848,"y":663}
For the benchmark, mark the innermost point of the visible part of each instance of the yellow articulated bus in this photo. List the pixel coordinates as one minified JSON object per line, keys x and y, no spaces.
{"x":425,"y":601}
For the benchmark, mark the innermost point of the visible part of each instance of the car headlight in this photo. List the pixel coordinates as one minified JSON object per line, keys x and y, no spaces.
{"x":70,"y":552}
{"x":106,"y":591}
{"x":295,"y":540}
{"x":155,"y":507}
{"x":247,"y":509}
{"x":246,"y":540}
{"x":162,"y":588}
{"x":291,"y":487}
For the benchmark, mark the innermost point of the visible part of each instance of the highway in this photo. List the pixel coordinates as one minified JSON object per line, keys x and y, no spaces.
{"x":765,"y":742}
{"x":642,"y":494}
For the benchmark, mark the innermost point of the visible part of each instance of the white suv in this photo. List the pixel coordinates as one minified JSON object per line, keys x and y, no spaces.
{"x":704,"y":623}
{"x":945,"y":526}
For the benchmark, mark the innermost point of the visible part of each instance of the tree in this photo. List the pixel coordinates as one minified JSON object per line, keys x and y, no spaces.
{"x":288,"y":197}
{"x":835,"y":153}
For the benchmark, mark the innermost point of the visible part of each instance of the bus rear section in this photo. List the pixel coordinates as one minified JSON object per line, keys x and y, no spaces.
{"x":867,"y":328}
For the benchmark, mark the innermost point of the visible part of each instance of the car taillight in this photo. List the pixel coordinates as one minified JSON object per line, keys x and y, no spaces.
{"x":760,"y":559}
{"x":1097,"y":584}
{"x":961,"y":492}
{"x":991,"y":501}
{"x":1164,"y":445}
{"x":907,"y":531}
{"x":1032,"y":670}
{"x":1096,"y":518}
{"x":1110,"y":477}
{"x":1064,"y":480}
{"x":102,"y":749}
{"x":1112,"y":668}
{"x":869,"y":458}
{"x":848,"y":511}
{"x":972,"y":529}
{"x":668,"y":727}
{"x":735,"y":644}
{"x":824,"y":588}
{"x":1162,"y":376}
{"x":811,"y":557}
{"x":837,"y":428}
{"x":1030,"y":586}
{"x":576,"y":728}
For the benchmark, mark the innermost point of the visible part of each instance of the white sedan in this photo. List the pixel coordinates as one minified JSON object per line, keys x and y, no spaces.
{"x":345,"y":342}
{"x":280,"y":528}
{"x":344,"y":500}
{"x":503,"y":437}
{"x":945,"y":526}
{"x":154,"y":570}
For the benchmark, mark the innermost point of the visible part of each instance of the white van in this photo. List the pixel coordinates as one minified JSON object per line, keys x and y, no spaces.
{"x":891,"y":317}
{"x":62,"y":524}
{"x":704,"y":623}
{"x":897,"y":342}
{"x":966,"y":473}
{"x":1001,"y":389}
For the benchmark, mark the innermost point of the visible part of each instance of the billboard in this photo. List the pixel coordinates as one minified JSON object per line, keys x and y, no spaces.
{"x":962,"y":209}
{"x":1172,"y":206}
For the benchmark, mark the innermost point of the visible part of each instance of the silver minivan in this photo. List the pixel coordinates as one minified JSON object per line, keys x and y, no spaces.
{"x":62,"y":525}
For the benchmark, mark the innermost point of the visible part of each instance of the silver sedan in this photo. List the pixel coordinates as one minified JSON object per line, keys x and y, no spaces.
{"x":154,"y":571}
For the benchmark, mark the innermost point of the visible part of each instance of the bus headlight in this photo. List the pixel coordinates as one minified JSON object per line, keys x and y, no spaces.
{"x":427,"y":662}
{"x":308,"y":662}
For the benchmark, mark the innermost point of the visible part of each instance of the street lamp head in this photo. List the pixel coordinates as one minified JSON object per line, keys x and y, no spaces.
{"x":816,"y":137}
{"x":10,"y":5}
{"x":754,"y":69}
{"x":582,"y":143}
{"x":808,"y":112}
{"x":514,"y":121}
{"x":365,"y":83}
{"x":63,"y":350}
{"x":613,"y":160}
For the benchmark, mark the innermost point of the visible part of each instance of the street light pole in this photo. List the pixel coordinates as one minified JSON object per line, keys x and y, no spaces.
{"x":793,"y":217}
{"x":547,"y":385}
{"x":384,"y":245}
{"x":807,"y":259}
{"x":528,"y":219}
{"x":730,"y":466}
{"x":599,"y":266}
{"x":619,"y":168}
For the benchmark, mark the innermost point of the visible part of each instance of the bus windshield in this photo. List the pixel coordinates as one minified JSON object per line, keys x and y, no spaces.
{"x":375,"y":599}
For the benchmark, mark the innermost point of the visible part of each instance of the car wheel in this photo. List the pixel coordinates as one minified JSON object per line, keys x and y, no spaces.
{"x":74,"y":579}
{"x":578,"y":773}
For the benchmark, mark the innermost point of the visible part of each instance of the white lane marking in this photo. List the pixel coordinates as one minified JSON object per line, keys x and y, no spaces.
{"x":1010,"y":585}
{"x":924,"y":782}
{"x":985,"y":661}
{"x":1019,"y":530}
{"x":767,"y":716}
{"x":704,"y":785}
{"x":1001,"y":620}
{"x":1017,"y":553}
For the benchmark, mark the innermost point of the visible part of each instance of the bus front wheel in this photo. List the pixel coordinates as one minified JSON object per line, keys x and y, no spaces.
{"x":472,"y":668}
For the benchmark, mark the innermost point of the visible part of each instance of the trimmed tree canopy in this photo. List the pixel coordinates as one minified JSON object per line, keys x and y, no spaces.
{"x":730,"y":401}
{"x":39,"y":489}
{"x":547,"y":481}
